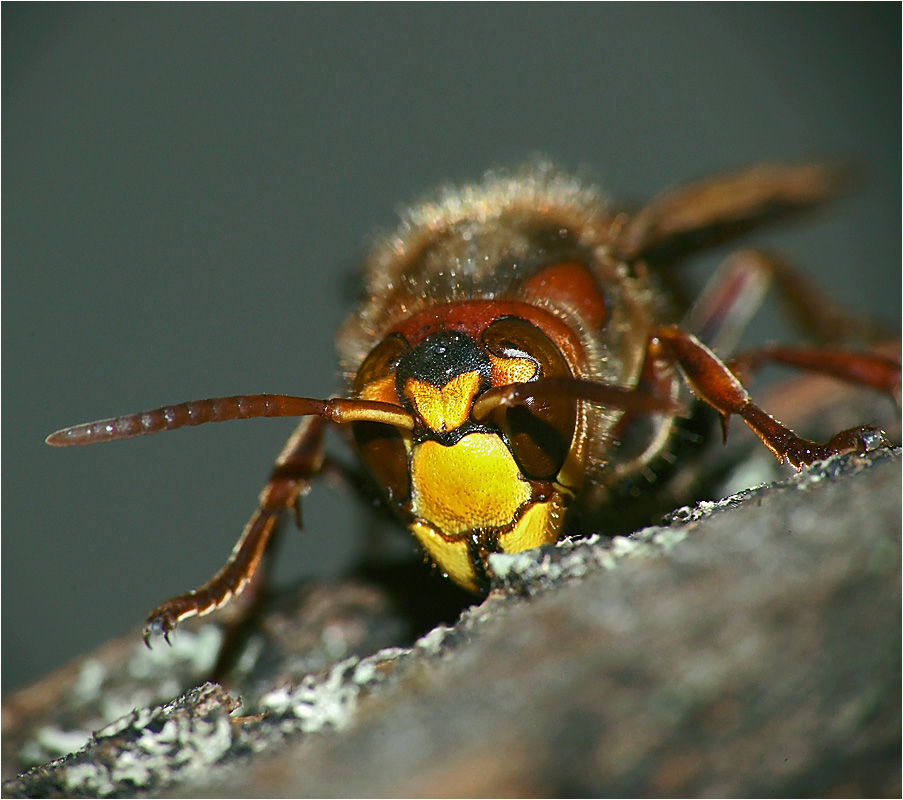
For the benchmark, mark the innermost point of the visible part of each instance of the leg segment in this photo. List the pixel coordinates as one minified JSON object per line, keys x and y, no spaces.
{"x":296,"y":465}
{"x":736,"y":291}
{"x":878,"y":372}
{"x":714,"y":383}
{"x":733,"y":295}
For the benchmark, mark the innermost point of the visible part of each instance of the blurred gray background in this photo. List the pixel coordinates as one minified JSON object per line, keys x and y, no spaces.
{"x":187,"y":191}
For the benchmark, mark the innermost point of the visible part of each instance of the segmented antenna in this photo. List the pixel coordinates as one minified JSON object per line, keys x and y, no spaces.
{"x":221,"y":409}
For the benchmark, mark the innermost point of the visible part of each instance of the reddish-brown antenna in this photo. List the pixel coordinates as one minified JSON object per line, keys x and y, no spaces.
{"x":221,"y":409}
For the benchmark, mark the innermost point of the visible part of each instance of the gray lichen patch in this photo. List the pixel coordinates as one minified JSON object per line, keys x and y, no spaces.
{"x":303,"y":633}
{"x":535,"y":570}
{"x":330,"y":701}
{"x":102,"y":692}
{"x":152,"y":748}
{"x":143,"y":752}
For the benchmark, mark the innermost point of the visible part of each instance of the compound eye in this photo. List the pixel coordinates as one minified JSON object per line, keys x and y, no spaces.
{"x":381,"y":446}
{"x":540,"y":431}
{"x":379,"y":366}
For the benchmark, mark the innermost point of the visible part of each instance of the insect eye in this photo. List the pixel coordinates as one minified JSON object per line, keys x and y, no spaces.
{"x":380,"y":364}
{"x":382,"y":446}
{"x":539,"y":431}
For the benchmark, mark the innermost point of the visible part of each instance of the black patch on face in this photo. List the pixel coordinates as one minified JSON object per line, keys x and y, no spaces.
{"x":440,"y":358}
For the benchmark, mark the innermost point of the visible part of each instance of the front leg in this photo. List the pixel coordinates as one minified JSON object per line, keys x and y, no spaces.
{"x":714,"y":383}
{"x":297,"y":464}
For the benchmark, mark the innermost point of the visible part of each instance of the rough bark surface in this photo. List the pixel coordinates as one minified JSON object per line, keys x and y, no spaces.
{"x":749,"y":648}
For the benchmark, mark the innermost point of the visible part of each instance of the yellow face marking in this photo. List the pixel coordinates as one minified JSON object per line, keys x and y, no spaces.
{"x":511,"y":370}
{"x":451,"y":556}
{"x":475,"y":483}
{"x":446,"y":408}
{"x":541,"y":524}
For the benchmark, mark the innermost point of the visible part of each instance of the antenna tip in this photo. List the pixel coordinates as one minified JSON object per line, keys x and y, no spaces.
{"x":57,"y":439}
